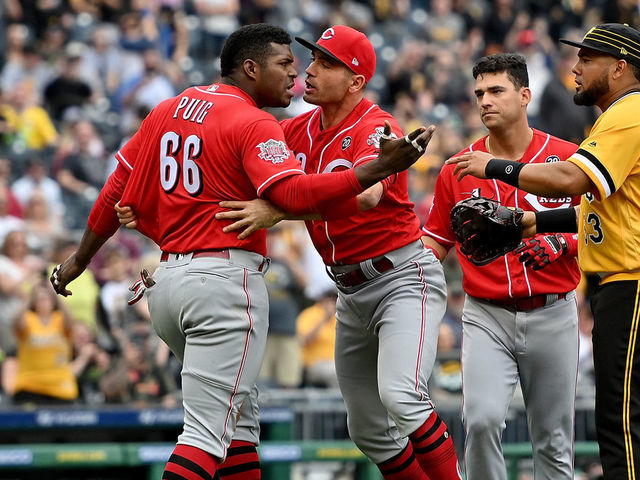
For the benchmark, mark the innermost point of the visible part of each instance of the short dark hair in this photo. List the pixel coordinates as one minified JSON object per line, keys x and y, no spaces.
{"x":251,"y":41}
{"x":513,"y":63}
{"x":635,"y":70}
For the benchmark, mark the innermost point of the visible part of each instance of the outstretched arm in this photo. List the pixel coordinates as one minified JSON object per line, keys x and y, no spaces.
{"x":555,"y":179}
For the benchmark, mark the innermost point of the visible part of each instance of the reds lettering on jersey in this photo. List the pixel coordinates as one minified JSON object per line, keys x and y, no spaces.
{"x":356,"y":140}
{"x":506,"y":277}
{"x":206,"y":145}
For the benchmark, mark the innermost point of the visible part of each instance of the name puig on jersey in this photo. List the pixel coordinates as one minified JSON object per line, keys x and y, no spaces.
{"x":193,"y":109}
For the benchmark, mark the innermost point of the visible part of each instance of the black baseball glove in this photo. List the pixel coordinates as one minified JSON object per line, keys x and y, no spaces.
{"x":485,"y":229}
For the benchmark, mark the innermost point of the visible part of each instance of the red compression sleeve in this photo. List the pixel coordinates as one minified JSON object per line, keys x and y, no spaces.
{"x":300,"y":194}
{"x":103,"y":219}
{"x":341,"y":209}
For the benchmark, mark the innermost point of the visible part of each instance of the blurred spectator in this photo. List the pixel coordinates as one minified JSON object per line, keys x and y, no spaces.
{"x":41,"y":224}
{"x":422,"y":183}
{"x":90,"y":362}
{"x":19,"y":272}
{"x":586,"y":375}
{"x":136,"y":378}
{"x":282,"y":365}
{"x":559,"y":115}
{"x":30,"y":124}
{"x":34,"y":180}
{"x":44,"y":352}
{"x":9,"y":204}
{"x":451,"y":324}
{"x":317,"y":335}
{"x":147,"y":89}
{"x":443,"y":26}
{"x":503,"y":21}
{"x":68,"y":89}
{"x":30,"y":71}
{"x":80,"y":169}
{"x":104,"y":56}
{"x":218,"y":19}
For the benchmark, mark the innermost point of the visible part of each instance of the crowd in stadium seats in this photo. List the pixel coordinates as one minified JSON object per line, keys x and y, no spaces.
{"x":78,"y":76}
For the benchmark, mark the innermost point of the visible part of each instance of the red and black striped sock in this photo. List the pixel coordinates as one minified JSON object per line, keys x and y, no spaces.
{"x":190,"y":463}
{"x":242,"y":462}
{"x":402,"y":466}
{"x":434,"y":450}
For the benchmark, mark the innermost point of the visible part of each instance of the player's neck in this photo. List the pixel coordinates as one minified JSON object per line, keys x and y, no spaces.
{"x":509,"y":144}
{"x":333,"y":114}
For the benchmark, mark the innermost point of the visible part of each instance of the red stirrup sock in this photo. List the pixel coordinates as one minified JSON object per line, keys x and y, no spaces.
{"x":434,"y":450}
{"x":242,"y":462}
{"x":403,"y":466}
{"x":190,"y":463}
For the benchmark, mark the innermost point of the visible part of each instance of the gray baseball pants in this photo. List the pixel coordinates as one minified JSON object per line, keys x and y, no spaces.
{"x":213,"y":313}
{"x":386,"y":341}
{"x":539,"y":348}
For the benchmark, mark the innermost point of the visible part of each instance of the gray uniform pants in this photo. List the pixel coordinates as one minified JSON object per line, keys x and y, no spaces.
{"x":386,"y":340}
{"x":540,"y":348}
{"x":213,"y":313}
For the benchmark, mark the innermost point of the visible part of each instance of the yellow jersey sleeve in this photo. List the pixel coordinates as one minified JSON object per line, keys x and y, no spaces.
{"x":612,"y":150}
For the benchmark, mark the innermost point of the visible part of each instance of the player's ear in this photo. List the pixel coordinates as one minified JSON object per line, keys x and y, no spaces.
{"x":250,"y":68}
{"x":357,"y":83}
{"x":525,"y":95}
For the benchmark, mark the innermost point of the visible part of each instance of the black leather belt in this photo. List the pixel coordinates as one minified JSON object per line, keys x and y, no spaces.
{"x":357,"y":276}
{"x":526,"y":304}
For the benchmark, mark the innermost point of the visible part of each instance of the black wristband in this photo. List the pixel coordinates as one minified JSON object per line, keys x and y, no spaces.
{"x":558,"y":220}
{"x":504,"y":170}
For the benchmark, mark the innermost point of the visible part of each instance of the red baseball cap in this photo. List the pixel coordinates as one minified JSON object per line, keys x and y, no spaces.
{"x":348,"y":46}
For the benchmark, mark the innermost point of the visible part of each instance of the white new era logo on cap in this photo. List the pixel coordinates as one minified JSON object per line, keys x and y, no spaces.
{"x":355,"y":61}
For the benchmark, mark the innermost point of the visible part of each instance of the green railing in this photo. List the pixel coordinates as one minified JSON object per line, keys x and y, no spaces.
{"x":275,"y":456}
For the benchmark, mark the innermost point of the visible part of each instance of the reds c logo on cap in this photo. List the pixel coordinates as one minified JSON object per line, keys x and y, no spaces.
{"x":328,"y":33}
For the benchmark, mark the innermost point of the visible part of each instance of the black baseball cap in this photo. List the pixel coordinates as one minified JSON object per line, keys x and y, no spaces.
{"x":615,"y":39}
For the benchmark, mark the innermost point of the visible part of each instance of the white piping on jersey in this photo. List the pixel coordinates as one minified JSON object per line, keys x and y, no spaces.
{"x":363,"y":159}
{"x":595,"y":170}
{"x":277,"y":175}
{"x":622,"y":97}
{"x":326,"y":226}
{"x":541,"y":148}
{"x":220,"y":93}
{"x":124,"y":160}
{"x":431,"y":234}
{"x":340,"y":133}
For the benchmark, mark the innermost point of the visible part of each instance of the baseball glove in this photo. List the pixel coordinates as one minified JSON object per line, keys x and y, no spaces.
{"x":485,"y":229}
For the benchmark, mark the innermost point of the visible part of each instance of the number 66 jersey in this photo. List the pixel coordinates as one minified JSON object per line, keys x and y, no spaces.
{"x":217,"y":145}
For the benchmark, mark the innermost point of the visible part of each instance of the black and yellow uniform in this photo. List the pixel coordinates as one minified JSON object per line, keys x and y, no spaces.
{"x":609,"y":228}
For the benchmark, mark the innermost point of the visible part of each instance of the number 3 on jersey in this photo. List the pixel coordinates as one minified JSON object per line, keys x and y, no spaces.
{"x":171,"y":146}
{"x":596,"y":226}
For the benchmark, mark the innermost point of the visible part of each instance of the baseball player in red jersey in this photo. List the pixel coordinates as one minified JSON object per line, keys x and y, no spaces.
{"x":208,"y":300}
{"x":520,"y":321}
{"x":391,"y":290}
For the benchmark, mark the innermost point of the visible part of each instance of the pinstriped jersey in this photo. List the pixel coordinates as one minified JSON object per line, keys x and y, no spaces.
{"x":206,"y":145}
{"x":390,"y":225}
{"x":505,"y":277}
{"x":609,"y":224}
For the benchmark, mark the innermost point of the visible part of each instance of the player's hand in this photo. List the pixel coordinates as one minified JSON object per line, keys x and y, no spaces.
{"x":65,"y":273}
{"x":398,"y":154}
{"x":249,"y":216}
{"x":126,"y":216}
{"x":470,"y":163}
{"x":542,"y":250}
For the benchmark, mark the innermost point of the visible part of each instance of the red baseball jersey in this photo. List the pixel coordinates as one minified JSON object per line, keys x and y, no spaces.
{"x":506,"y":277}
{"x":206,"y":145}
{"x":356,"y":140}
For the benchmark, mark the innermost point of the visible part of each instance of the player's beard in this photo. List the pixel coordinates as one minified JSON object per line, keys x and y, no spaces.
{"x":589,"y":96}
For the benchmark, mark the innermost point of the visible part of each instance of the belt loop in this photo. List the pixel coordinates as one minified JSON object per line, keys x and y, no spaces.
{"x":368,"y":269}
{"x":551,"y":298}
